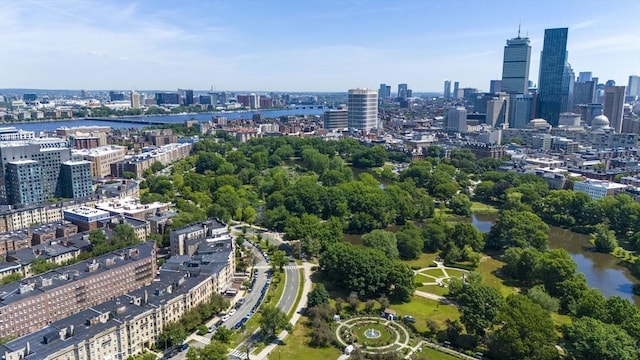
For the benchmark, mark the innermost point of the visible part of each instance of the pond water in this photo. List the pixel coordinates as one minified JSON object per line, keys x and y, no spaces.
{"x":601,"y":270}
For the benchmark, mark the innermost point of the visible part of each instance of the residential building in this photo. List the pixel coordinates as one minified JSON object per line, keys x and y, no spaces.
{"x":75,"y":179}
{"x":597,"y":189}
{"x":128,"y":206}
{"x":613,"y":107}
{"x":137,"y":164}
{"x":34,"y":303}
{"x":49,"y":153}
{"x":120,"y":328}
{"x":336,"y":119}
{"x":185,"y":240}
{"x":362,"y":109}
{"x":515,"y":66}
{"x":101,"y":158}
{"x":24,"y":182}
{"x":552,"y":68}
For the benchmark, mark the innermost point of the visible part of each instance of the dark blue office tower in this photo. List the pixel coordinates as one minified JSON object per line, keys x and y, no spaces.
{"x":552,"y":65}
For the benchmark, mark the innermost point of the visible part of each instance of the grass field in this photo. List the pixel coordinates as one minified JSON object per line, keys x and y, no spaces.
{"x":295,"y":347}
{"x":423,"y":279}
{"x":478,"y":207}
{"x":425,"y":260}
{"x":434,"y":289}
{"x":433,"y":272}
{"x":433,"y":354}
{"x":423,"y":309}
{"x":487,"y":268}
{"x":456,"y":273}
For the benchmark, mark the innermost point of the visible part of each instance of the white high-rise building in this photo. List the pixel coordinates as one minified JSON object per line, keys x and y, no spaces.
{"x":457,"y":119}
{"x":362,"y":105}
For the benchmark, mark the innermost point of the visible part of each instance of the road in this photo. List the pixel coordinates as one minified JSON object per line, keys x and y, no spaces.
{"x":251,"y":299}
{"x":291,"y":286}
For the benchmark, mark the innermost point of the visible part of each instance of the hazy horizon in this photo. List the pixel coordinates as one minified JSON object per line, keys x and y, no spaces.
{"x":301,"y":46}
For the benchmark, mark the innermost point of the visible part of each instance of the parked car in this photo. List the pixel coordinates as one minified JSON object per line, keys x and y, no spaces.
{"x":184,"y":347}
{"x":409,"y":318}
{"x":225,"y":318}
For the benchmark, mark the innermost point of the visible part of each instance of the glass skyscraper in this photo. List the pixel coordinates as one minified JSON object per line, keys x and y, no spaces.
{"x":552,"y":66}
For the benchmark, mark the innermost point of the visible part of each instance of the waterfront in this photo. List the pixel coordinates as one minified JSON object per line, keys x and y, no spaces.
{"x":177,"y":119}
{"x":601,"y":270}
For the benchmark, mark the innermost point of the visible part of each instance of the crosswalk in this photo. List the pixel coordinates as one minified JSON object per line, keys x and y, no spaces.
{"x":237,"y":354}
{"x":291,"y":267}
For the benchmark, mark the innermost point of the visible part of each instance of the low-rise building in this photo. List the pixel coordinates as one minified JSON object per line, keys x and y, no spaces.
{"x":597,"y":189}
{"x":101,"y":158}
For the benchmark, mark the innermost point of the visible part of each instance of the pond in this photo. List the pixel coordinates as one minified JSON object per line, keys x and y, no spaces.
{"x":601,"y":270}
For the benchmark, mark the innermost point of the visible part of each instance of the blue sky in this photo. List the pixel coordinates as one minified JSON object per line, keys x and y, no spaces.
{"x":299,"y":45}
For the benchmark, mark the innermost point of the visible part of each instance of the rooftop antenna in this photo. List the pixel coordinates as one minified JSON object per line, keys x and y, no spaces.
{"x":519,"y":23}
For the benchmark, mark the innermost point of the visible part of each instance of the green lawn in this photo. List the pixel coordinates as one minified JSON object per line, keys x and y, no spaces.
{"x":456,"y":273}
{"x":433,"y":354}
{"x":435,"y":289}
{"x":424,"y":279}
{"x":425,"y":260}
{"x":487,"y":268}
{"x":295,"y":347}
{"x":478,"y":207}
{"x":433,"y":272}
{"x":423,"y":309}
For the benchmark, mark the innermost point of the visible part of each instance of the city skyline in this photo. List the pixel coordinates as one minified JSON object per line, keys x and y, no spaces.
{"x":300,"y":46}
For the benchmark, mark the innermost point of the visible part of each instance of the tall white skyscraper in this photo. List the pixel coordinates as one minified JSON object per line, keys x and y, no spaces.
{"x":362,"y":109}
{"x":515,"y":66}
{"x":457,"y":119}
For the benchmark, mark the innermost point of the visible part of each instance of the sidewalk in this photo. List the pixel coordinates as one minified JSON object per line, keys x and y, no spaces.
{"x":294,"y":319}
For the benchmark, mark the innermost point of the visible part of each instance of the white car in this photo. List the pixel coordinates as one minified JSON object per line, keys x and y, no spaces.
{"x":225,"y":318}
{"x":233,"y":311}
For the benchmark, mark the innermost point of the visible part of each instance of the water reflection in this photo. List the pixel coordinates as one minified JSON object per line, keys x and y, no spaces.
{"x":601,"y":270}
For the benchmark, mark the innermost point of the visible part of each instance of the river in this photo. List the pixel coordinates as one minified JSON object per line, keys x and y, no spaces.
{"x":180,"y":118}
{"x":601,"y":270}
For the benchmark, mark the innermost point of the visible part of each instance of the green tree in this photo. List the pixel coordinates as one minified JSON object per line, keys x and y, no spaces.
{"x":382,"y":240}
{"x":538,"y":295}
{"x":279,"y":260}
{"x":588,"y":338}
{"x":518,"y":228}
{"x":172,"y":334}
{"x":125,"y":235}
{"x":479,"y":305}
{"x":272,"y":320}
{"x":97,"y":237}
{"x":410,"y":242}
{"x":319,"y":295}
{"x":223,"y":334}
{"x":460,"y":205}
{"x":604,"y":239}
{"x":526,"y":332}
